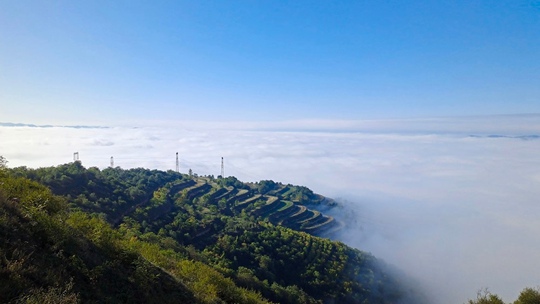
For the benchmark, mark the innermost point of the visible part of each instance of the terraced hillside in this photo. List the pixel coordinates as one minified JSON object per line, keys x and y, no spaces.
{"x":173,"y":193}
{"x":212,"y":234}
{"x":230,"y":197}
{"x":284,"y":205}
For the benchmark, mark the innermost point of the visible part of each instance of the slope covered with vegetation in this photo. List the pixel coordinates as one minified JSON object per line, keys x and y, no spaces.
{"x":51,"y":255}
{"x":141,"y":235}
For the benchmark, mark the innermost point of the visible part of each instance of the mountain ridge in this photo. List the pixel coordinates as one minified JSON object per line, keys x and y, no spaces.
{"x":220,"y":240}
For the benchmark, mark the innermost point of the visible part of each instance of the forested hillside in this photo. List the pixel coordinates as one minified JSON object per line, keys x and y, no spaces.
{"x":88,"y":235}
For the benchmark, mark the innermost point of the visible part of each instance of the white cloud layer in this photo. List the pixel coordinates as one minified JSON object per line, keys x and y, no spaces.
{"x":458,"y":212}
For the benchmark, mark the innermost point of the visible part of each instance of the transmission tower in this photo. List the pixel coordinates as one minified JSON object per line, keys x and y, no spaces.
{"x":76,"y":156}
{"x":222,"y":169}
{"x":177,"y":163}
{"x":112,"y":162}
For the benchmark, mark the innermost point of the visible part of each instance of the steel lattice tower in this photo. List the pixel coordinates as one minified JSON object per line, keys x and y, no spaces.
{"x":222,"y":169}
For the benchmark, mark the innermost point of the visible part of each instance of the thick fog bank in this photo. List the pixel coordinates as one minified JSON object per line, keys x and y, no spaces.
{"x":453,"y":203}
{"x":463,"y":217}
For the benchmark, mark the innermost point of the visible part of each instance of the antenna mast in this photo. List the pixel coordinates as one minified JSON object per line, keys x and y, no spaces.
{"x":177,"y":163}
{"x":222,"y":169}
{"x":76,"y":156}
{"x":112,"y":162}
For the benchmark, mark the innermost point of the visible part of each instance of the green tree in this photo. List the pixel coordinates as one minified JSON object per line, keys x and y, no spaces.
{"x":3,"y":167}
{"x":529,"y":296}
{"x":3,"y":162}
{"x":486,"y":297}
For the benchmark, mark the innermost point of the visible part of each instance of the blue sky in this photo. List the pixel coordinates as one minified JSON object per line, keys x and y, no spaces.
{"x":110,"y":61}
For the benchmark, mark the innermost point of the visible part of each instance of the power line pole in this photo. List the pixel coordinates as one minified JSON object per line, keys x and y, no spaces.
{"x":112,"y":162}
{"x":177,"y":163}
{"x":222,"y":169}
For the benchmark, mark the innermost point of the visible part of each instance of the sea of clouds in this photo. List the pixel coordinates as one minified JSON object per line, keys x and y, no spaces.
{"x":453,"y":202}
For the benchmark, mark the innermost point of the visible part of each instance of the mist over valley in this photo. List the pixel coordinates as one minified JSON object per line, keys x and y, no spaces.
{"x":454,"y":212}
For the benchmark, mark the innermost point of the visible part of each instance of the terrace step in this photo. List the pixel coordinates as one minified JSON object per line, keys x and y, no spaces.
{"x":273,"y":203}
{"x":247,"y":202}
{"x":326,"y":223}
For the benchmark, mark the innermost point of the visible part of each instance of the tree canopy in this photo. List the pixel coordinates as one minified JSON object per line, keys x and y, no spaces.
{"x":128,"y":235}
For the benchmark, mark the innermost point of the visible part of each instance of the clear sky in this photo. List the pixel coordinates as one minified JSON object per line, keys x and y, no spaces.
{"x":110,"y":61}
